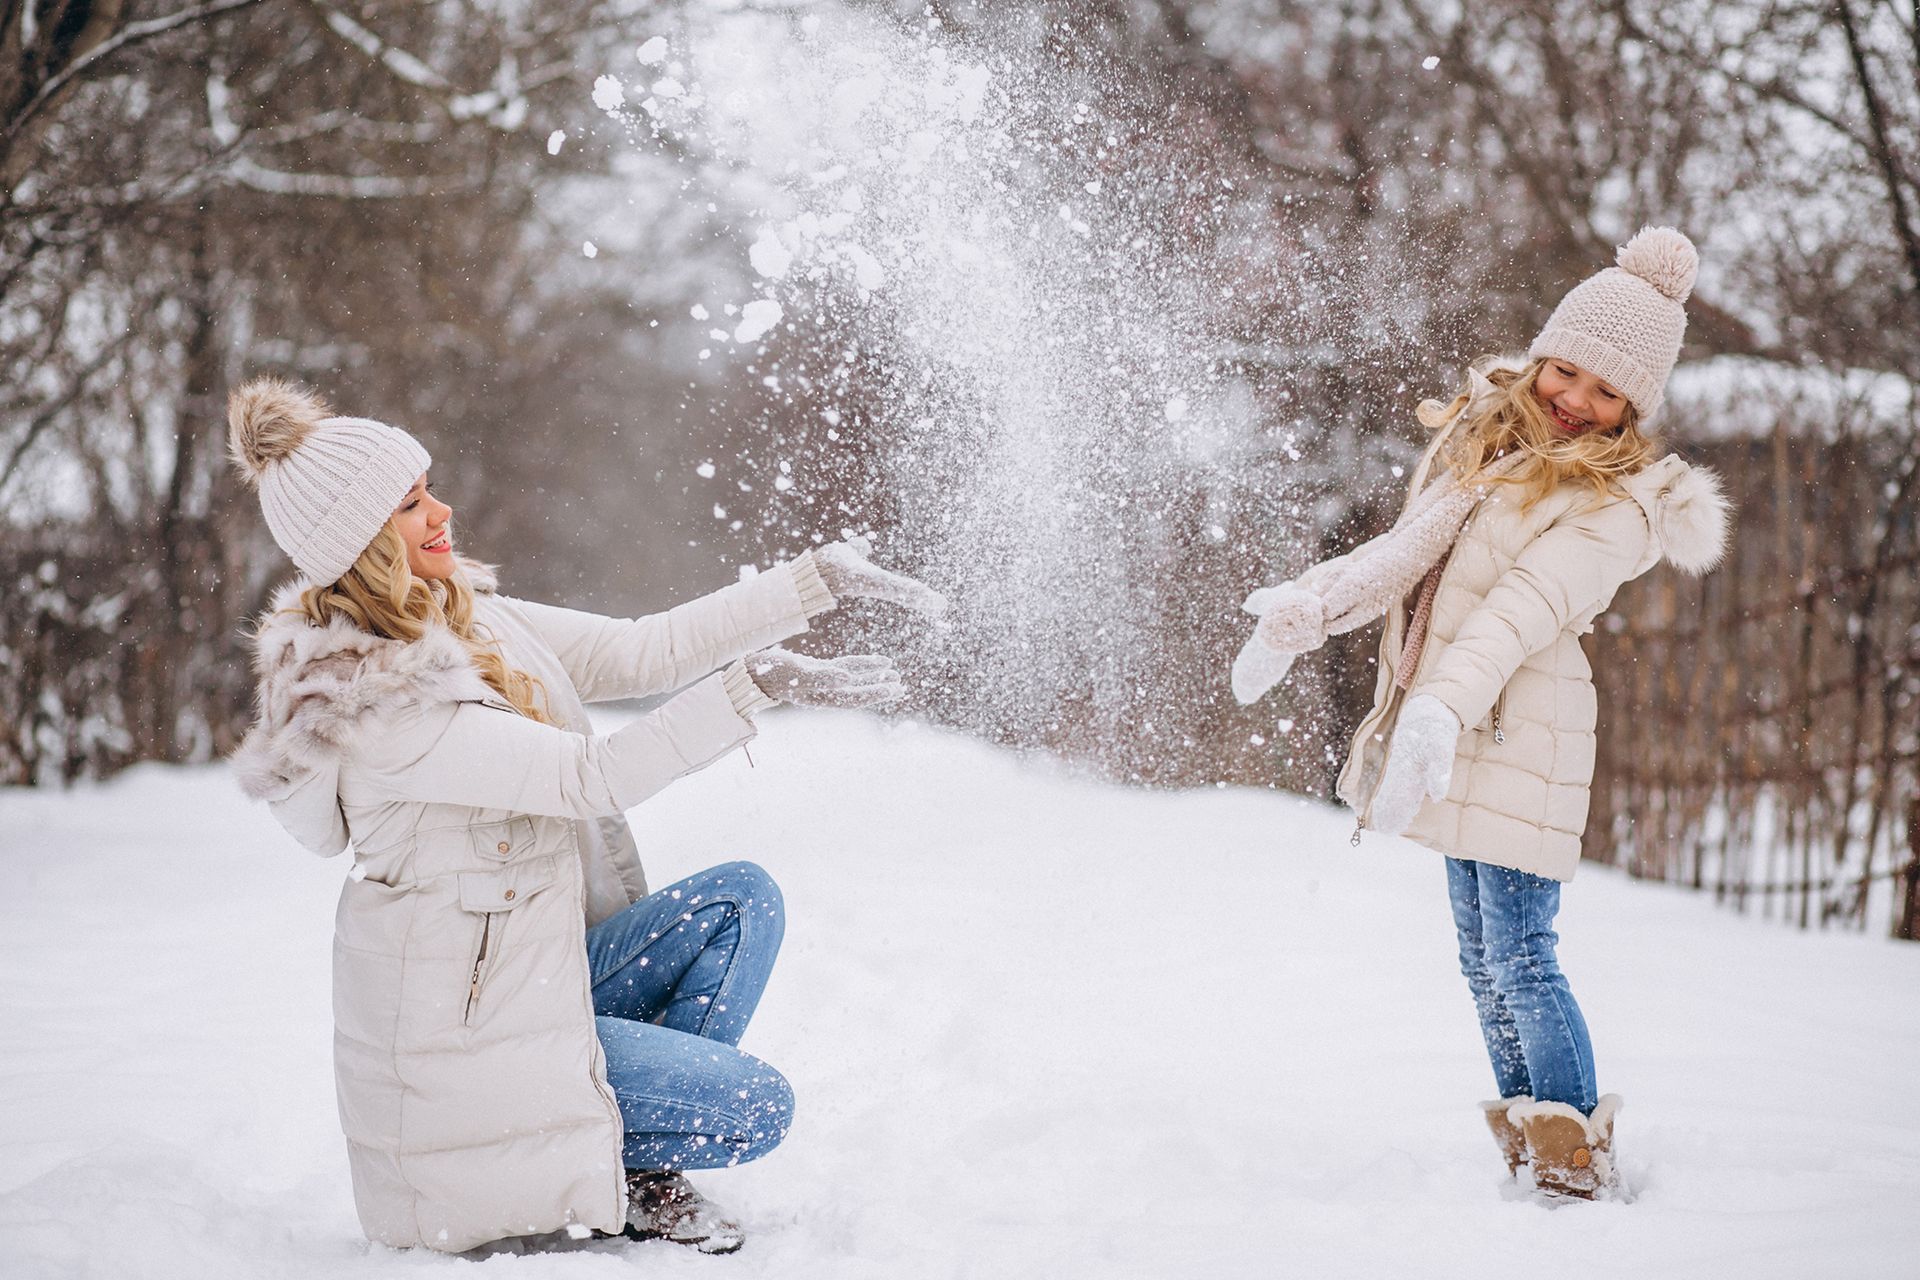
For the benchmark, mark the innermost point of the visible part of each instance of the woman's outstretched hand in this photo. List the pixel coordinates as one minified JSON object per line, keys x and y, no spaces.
{"x":846,"y":571}
{"x":858,"y":680}
{"x":1419,"y":763}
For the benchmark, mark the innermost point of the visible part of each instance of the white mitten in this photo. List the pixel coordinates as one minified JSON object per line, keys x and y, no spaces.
{"x":1293,"y":621}
{"x":1262,"y":599}
{"x":859,"y":680}
{"x":1419,"y":763}
{"x":846,"y":571}
{"x":1257,"y":669}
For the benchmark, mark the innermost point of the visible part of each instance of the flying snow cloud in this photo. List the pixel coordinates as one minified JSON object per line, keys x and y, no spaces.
{"x":972,"y":219}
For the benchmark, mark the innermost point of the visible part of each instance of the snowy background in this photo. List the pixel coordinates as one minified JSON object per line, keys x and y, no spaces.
{"x":1098,"y":316}
{"x":1038,"y":1026}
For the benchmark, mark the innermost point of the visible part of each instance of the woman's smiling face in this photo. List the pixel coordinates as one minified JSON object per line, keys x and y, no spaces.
{"x":423,"y":524}
{"x":1575,"y":399}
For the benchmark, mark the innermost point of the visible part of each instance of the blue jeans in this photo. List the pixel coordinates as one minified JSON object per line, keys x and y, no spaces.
{"x":676,"y":977}
{"x":1535,"y":1034}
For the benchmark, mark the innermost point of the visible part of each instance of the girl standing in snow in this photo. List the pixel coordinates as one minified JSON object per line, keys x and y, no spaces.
{"x":525,"y":1039}
{"x":1541,"y":494}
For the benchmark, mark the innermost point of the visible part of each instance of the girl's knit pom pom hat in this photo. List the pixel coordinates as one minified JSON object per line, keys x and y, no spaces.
{"x":326,"y":483}
{"x":1624,"y":325}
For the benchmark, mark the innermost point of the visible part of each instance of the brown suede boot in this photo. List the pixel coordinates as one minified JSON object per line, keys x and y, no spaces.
{"x":1571,"y":1154}
{"x":1513,"y":1143}
{"x":665,"y":1206}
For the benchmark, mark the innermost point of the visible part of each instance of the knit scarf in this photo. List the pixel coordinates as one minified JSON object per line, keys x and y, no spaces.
{"x":1349,"y":591}
{"x":1417,"y":623}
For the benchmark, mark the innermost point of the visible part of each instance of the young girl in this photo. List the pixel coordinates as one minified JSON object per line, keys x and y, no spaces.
{"x":525,"y":1039}
{"x":1541,"y":495}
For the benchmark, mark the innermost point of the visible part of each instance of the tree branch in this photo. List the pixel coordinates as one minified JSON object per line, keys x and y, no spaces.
{"x":125,"y":38}
{"x":1771,"y":88}
{"x":504,"y":105}
{"x":343,"y":186}
{"x":45,"y":418}
{"x":1882,"y":149}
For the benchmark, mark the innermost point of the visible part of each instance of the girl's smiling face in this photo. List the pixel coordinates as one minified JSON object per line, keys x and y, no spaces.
{"x":1575,"y":399}
{"x":422,"y":522}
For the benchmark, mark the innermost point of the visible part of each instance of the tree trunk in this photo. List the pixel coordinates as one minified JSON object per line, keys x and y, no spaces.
{"x":1909,"y":924}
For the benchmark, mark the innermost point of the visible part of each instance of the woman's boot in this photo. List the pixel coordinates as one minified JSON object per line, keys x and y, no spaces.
{"x":1513,"y":1143}
{"x":665,"y":1206}
{"x":1571,"y":1154}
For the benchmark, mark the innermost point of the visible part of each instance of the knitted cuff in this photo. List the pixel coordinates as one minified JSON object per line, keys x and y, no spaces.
{"x":748,"y":700}
{"x":814,"y":596}
{"x":1295,"y":622}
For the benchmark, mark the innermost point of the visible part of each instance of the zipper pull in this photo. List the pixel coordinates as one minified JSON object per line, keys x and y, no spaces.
{"x":1358,"y":826}
{"x":1499,"y":734}
{"x":749,"y":755}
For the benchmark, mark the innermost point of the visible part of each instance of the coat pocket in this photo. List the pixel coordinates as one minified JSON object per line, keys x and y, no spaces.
{"x":1496,"y":718}
{"x":504,"y":840}
{"x":494,"y":896}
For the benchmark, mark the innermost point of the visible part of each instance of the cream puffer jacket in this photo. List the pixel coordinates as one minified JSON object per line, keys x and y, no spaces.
{"x":1503,"y":653}
{"x":470,"y":1079}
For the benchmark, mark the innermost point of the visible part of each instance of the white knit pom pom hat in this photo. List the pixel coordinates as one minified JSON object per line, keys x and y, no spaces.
{"x":1624,"y":325}
{"x":326,"y":483}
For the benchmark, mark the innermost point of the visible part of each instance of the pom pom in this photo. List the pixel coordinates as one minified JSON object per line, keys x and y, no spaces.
{"x":267,"y":419}
{"x":1664,"y":258}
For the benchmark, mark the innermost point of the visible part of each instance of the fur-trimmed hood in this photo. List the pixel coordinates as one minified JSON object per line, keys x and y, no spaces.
{"x":1688,"y":509}
{"x":320,"y":686}
{"x":1686,"y":504}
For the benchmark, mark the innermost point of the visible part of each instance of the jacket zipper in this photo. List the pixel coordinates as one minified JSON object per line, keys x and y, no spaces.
{"x":479,"y":963}
{"x":1386,"y":753}
{"x":1499,"y":716}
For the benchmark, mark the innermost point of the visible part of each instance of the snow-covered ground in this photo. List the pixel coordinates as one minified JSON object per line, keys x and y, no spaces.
{"x":1037,"y":1026}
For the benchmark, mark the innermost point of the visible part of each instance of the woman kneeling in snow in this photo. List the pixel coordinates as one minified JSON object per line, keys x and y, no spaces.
{"x":1547,"y":496}
{"x":525,"y":1039}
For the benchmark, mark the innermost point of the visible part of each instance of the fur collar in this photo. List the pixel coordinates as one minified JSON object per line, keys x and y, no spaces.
{"x":320,"y":686}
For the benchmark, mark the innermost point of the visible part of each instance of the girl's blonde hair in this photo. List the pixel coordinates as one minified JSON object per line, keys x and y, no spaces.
{"x":1514,"y":419}
{"x":380,"y":594}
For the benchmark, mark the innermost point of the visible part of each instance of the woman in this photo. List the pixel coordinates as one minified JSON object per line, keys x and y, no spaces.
{"x":1547,"y":495}
{"x":525,"y":1039}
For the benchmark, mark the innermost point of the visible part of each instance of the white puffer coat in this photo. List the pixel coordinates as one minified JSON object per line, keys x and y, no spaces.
{"x":1503,"y":653}
{"x":470,"y":1080}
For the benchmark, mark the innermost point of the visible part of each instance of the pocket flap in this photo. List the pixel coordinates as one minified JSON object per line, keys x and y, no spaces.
{"x":499,"y":841}
{"x":505,"y":889}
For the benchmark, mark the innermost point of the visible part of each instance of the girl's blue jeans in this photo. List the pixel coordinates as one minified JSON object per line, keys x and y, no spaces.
{"x":676,"y":977}
{"x":1535,"y":1034}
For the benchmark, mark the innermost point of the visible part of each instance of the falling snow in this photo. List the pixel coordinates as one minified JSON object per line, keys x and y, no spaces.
{"x":607,"y":93}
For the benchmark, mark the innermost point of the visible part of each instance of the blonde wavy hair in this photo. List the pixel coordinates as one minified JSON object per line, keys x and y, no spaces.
{"x":380,"y":594}
{"x":1516,"y":420}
